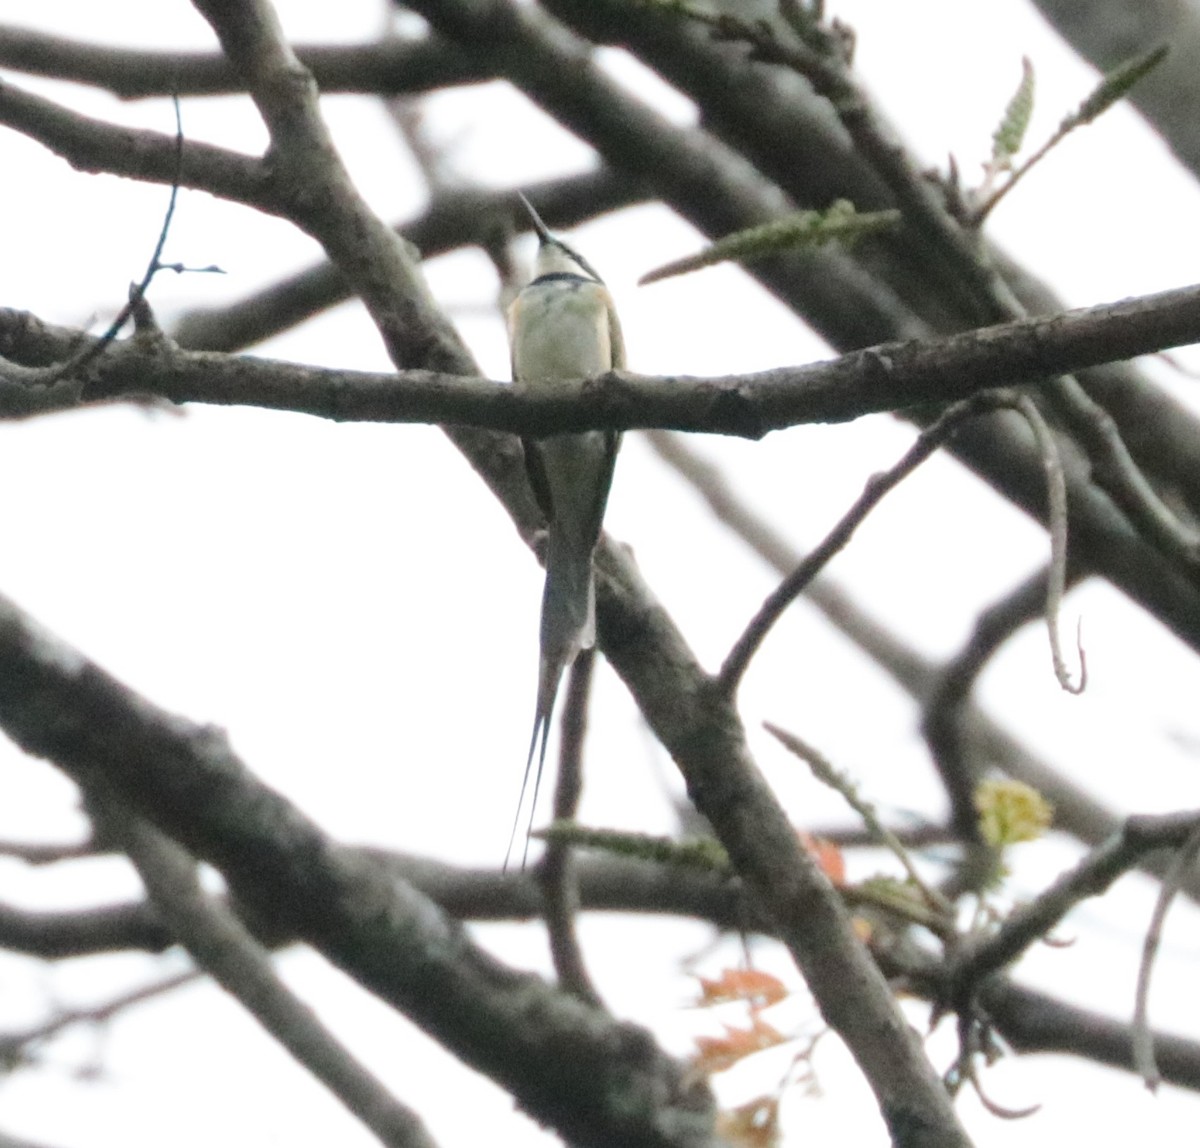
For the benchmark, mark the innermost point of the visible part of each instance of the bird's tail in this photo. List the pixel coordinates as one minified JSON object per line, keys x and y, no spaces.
{"x":568,"y":626}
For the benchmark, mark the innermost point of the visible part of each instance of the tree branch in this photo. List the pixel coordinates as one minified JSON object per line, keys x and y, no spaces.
{"x":985,"y":740}
{"x":93,"y":145}
{"x":390,"y":67}
{"x":220,"y":944}
{"x":984,"y":955}
{"x":569,"y":1065}
{"x":892,"y":377}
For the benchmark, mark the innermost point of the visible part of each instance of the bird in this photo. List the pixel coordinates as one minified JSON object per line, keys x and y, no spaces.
{"x":563,"y":327}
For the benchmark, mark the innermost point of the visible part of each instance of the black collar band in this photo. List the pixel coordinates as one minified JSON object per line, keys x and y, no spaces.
{"x":561,"y":277}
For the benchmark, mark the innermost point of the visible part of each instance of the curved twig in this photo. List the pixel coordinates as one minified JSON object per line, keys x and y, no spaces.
{"x":1143,"y":1040}
{"x":738,"y":659}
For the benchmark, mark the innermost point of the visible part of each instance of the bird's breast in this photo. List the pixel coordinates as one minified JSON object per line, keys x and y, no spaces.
{"x":560,"y":331}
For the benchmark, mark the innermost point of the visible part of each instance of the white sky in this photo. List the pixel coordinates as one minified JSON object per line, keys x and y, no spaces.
{"x":355,"y":609}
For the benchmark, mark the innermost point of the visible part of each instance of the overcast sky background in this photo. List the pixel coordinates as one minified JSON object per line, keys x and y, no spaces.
{"x":353,"y":606}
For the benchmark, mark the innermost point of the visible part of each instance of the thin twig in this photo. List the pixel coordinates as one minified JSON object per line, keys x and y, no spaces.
{"x":945,"y":705}
{"x":831,"y":76}
{"x":825,"y":772}
{"x":45,"y":377}
{"x":556,"y":870}
{"x":981,"y":956}
{"x":13,"y":1046}
{"x":1076,"y":812}
{"x":928,"y":441}
{"x":1056,"y":523}
{"x":1117,"y":473}
{"x":1114,"y":86}
{"x":37,"y":853}
{"x":1143,"y":1040}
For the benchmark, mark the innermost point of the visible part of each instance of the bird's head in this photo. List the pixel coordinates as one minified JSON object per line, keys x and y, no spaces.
{"x":555,"y":257}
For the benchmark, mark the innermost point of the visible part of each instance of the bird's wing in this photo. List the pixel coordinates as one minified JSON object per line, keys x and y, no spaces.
{"x":616,"y":341}
{"x":535,"y":471}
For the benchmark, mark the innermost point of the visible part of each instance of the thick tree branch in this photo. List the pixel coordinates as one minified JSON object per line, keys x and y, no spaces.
{"x":1033,"y":1021}
{"x":694,"y":173}
{"x":893,"y":377}
{"x":93,"y":145}
{"x":604,"y":885}
{"x":221,"y":945}
{"x":82,"y":932}
{"x":390,"y":67}
{"x":569,"y":1065}
{"x":695,"y":721}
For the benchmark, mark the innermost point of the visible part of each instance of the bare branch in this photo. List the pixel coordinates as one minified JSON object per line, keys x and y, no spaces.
{"x":694,"y":720}
{"x":738,"y":659}
{"x":980,"y":957}
{"x":222,"y":946}
{"x":16,"y":1046}
{"x":1033,"y":1021}
{"x":1056,"y":524}
{"x":947,"y":702}
{"x":92,"y":145}
{"x":44,"y":853}
{"x":391,"y":67}
{"x":825,"y":772}
{"x":1119,"y":475}
{"x":1143,"y":1040}
{"x":891,"y":377}
{"x":83,"y":932}
{"x":615,"y":1085}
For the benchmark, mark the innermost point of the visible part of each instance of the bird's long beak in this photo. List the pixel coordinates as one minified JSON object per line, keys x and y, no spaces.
{"x":543,"y":232}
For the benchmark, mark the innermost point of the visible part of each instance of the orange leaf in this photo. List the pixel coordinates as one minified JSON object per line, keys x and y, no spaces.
{"x":751,"y":1125}
{"x":717,"y":1053}
{"x":827,"y":855}
{"x":758,"y":989}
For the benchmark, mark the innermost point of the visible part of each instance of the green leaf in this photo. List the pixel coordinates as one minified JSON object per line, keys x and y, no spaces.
{"x":1010,"y":134}
{"x":840,"y":223}
{"x":1114,"y":86}
{"x":1010,"y":812}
